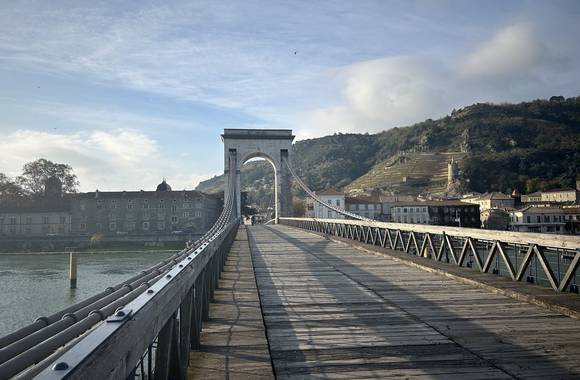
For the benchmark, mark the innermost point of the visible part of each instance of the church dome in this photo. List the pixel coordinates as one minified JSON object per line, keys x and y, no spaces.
{"x":163,"y":186}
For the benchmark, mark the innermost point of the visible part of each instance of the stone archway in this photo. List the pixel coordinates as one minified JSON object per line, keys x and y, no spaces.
{"x":274,"y":145}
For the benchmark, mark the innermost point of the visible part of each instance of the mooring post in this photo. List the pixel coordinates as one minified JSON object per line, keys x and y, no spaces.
{"x":73,"y":270}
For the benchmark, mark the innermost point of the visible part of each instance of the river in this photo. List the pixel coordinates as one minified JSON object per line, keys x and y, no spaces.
{"x":34,"y":285}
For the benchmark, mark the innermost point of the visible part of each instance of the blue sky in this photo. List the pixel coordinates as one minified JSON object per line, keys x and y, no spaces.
{"x":128,"y":92}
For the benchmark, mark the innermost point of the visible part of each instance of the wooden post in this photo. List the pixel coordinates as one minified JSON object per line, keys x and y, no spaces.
{"x":73,"y":270}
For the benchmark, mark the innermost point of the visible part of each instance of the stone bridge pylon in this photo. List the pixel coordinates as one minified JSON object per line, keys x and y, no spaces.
{"x":274,"y":145}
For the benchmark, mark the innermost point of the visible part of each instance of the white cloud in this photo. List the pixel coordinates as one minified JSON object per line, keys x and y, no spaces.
{"x":512,"y":50}
{"x":382,"y":94}
{"x":113,"y":160}
{"x":512,"y":65}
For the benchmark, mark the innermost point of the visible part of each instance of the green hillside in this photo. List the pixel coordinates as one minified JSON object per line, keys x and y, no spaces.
{"x":529,"y":146}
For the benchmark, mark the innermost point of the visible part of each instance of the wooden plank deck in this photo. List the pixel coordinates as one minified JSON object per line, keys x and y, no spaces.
{"x":332,"y":311}
{"x":233,"y":341}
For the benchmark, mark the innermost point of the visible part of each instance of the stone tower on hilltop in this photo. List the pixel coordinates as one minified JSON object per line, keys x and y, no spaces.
{"x":452,"y":176}
{"x":452,"y":171}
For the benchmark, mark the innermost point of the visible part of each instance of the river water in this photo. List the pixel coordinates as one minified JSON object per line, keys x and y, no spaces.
{"x":33,"y":285}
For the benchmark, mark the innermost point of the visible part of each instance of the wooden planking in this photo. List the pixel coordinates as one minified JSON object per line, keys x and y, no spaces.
{"x":333,"y":311}
{"x":233,"y":341}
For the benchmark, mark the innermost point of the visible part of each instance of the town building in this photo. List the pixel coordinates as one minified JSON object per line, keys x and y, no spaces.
{"x":48,"y":215}
{"x":365,"y":206}
{"x":532,"y":197}
{"x":491,"y":200}
{"x":333,"y":198}
{"x":162,"y":211}
{"x":551,"y":220}
{"x":495,"y":219}
{"x":567,"y":195}
{"x":35,"y":220}
{"x":112,"y":214}
{"x":442,"y":213}
{"x":388,"y":201}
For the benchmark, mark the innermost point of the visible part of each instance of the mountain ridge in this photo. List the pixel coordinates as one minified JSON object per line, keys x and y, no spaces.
{"x":529,"y":146}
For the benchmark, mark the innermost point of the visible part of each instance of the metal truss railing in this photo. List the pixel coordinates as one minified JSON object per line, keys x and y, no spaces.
{"x":313,"y":195}
{"x":143,"y":327}
{"x":550,"y":260}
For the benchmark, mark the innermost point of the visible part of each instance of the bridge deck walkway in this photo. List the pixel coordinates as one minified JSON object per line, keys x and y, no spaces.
{"x":233,"y":341}
{"x":332,"y":311}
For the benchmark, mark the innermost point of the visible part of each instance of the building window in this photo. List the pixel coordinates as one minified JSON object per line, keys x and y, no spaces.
{"x":538,"y":219}
{"x":145,"y":203}
{"x":113,"y":203}
{"x":62,"y":219}
{"x":28,"y":220}
{"x":528,"y":219}
{"x":130,"y":226}
{"x":113,"y":226}
{"x":146,"y":216}
{"x":99,"y":204}
{"x":162,"y":204}
{"x":186,"y":214}
{"x":174,"y":219}
{"x":161,"y":226}
{"x":338,"y":202}
{"x":82,"y":205}
{"x":145,"y":226}
{"x":44,"y":220}
{"x":129,"y":203}
{"x":99,"y":227}
{"x":83,"y":227}
{"x":405,"y":209}
{"x":174,"y":208}
{"x":198,"y":214}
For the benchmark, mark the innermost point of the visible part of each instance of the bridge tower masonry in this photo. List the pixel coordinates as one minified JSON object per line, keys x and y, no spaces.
{"x":275,"y":146}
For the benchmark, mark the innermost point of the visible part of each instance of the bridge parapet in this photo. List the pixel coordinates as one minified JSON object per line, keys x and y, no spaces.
{"x":551,"y":260}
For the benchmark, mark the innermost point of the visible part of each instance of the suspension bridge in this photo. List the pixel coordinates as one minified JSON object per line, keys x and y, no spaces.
{"x":321,"y":298}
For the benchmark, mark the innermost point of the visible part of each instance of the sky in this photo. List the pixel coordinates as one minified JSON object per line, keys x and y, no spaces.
{"x":130,"y":92}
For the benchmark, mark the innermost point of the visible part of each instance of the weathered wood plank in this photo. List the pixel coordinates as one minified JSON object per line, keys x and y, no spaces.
{"x":233,"y":341}
{"x":333,"y":311}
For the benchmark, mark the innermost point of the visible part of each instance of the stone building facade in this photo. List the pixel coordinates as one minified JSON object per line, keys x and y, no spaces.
{"x":112,"y":214}
{"x":118,"y":213}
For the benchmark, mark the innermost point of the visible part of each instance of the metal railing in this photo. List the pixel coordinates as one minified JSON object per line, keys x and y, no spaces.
{"x":549,"y":260}
{"x":142,"y":327}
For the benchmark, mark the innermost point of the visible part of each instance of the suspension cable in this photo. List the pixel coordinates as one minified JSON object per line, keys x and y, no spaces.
{"x":320,"y":201}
